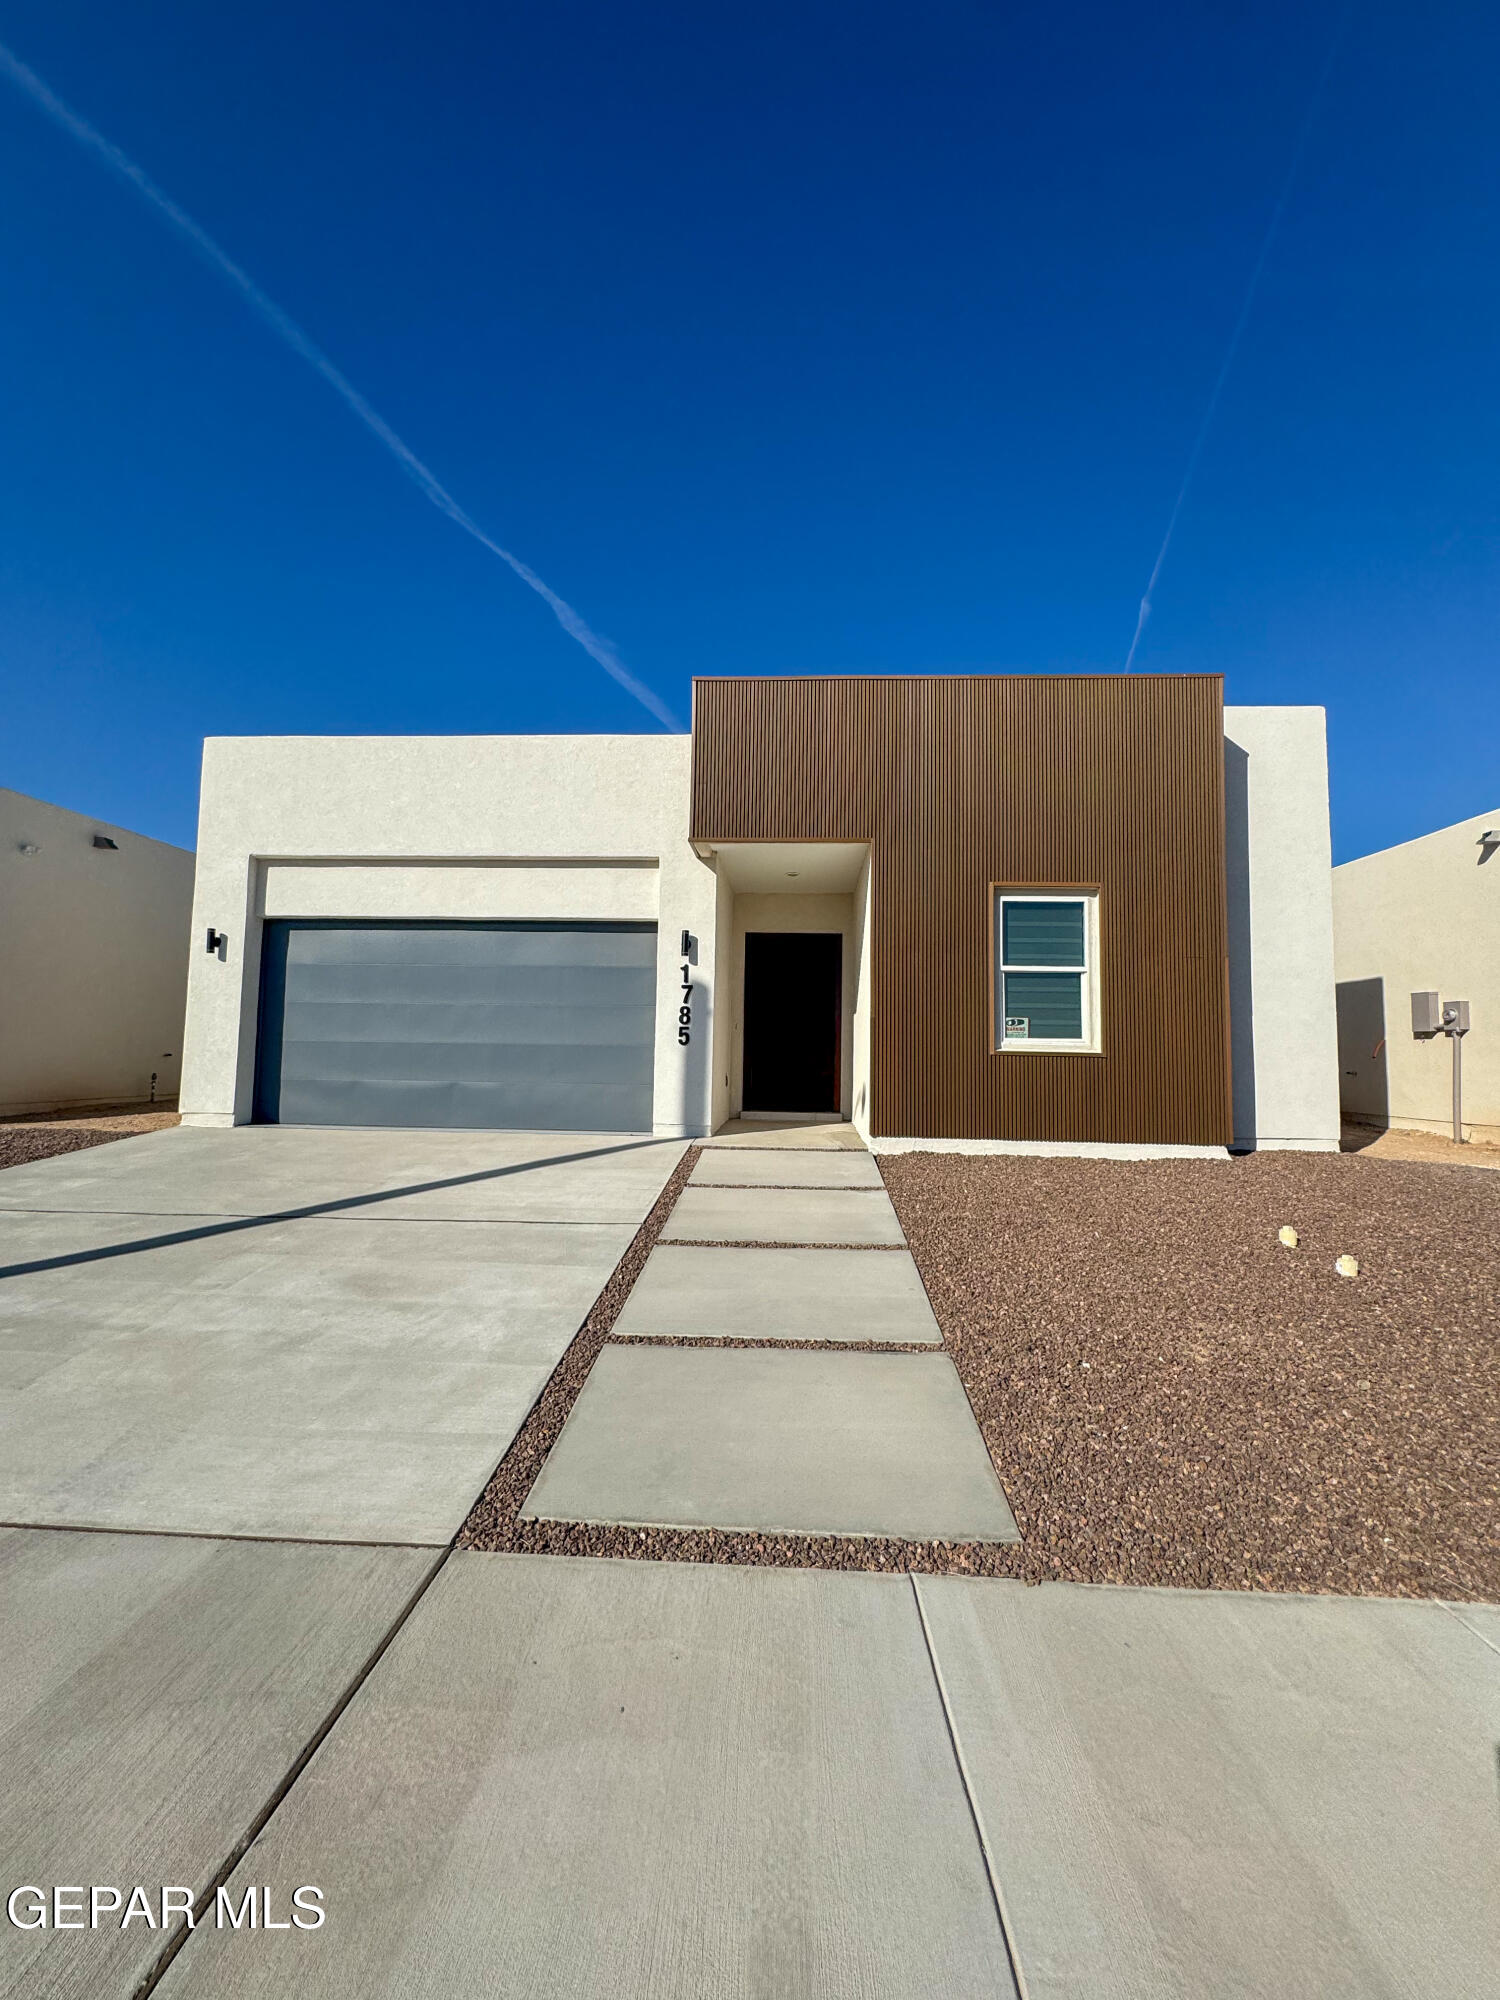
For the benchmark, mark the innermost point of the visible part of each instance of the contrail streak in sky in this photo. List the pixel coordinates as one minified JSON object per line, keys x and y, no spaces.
{"x":291,"y":334}
{"x":1239,"y":328}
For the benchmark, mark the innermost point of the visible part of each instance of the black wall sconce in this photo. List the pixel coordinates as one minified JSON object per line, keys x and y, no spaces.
{"x":218,"y":942}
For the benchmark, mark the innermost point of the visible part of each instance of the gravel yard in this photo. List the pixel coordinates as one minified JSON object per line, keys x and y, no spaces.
{"x":39,"y":1138}
{"x":1173,"y":1397}
{"x":1170,"y":1395}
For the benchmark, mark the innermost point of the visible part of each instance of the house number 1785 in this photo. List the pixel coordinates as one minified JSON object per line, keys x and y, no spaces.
{"x":685,"y":1011}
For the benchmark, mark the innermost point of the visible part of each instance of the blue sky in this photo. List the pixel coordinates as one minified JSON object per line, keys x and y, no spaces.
{"x":802,"y":338}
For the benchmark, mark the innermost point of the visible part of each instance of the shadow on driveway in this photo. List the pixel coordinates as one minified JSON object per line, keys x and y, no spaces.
{"x":311,"y":1209}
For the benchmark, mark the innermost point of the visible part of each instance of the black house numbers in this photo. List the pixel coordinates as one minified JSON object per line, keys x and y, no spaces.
{"x":685,"y":1011}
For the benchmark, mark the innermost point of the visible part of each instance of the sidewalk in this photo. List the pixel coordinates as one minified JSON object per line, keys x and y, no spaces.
{"x":685,"y":1782}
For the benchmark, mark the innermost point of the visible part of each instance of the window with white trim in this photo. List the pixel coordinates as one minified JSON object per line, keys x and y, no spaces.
{"x":1047,"y":970}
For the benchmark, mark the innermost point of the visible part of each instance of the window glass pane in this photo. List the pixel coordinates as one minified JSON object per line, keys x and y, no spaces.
{"x":1050,"y":1003}
{"x":1042,"y":933}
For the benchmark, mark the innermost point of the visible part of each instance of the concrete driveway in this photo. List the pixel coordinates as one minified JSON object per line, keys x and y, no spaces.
{"x":156,"y":1694}
{"x":325,"y":1335}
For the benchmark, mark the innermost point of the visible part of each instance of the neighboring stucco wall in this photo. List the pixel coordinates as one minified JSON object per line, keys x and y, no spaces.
{"x":93,"y":971}
{"x":1421,"y":917}
{"x":753,"y":912}
{"x":1278,"y":864}
{"x":447,"y":809}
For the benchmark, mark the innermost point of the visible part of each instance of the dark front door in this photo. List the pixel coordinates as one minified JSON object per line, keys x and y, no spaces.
{"x":793,"y":1002}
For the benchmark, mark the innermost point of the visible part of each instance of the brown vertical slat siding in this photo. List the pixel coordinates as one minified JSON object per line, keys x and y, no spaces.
{"x":1111,"y":782}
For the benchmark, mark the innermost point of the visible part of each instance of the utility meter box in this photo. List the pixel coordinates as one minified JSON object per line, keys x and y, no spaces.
{"x":1426,"y":1014}
{"x":1456,"y":1017}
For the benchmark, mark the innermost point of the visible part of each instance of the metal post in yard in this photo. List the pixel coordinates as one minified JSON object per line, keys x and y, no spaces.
{"x":1458,"y":1088}
{"x":1455,"y":1025}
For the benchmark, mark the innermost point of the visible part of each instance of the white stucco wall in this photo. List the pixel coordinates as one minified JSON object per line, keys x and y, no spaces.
{"x":1421,"y":917}
{"x":477,"y":825}
{"x":861,"y":1043}
{"x":627,"y":891}
{"x":1284,"y":1043}
{"x":861,"y":1078}
{"x":93,"y":960}
{"x":717,"y":953}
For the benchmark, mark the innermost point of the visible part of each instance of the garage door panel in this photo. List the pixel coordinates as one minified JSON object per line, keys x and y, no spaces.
{"x":486,"y":948}
{"x":467,"y":1025}
{"x":437,"y":986}
{"x":459,"y":1062}
{"x":346,"y":1021}
{"x":530,"y":1105}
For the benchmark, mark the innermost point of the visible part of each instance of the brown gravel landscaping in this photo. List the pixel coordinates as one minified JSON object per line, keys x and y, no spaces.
{"x":1173,"y":1397}
{"x":1169,"y":1394}
{"x":39,"y":1138}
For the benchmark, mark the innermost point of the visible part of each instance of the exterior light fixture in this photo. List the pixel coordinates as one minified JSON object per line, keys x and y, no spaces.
{"x":218,"y":943}
{"x":30,"y":847}
{"x":103,"y":840}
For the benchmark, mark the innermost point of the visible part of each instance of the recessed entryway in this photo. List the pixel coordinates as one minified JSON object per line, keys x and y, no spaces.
{"x":793,"y":1019}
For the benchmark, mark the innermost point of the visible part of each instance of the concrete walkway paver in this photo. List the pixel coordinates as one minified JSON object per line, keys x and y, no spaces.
{"x":1188,"y":1793}
{"x":729,"y":1293}
{"x":155,"y":1692}
{"x":350,"y":1375}
{"x":725,"y":1168}
{"x":651,"y":1781}
{"x":783,"y":1215}
{"x":778,"y":1440}
{"x":818,"y":1135}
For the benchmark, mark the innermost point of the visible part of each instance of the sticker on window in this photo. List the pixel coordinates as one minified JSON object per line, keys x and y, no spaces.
{"x":1017,"y":1027}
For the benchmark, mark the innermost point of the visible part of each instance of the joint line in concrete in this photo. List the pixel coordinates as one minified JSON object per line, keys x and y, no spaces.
{"x":1011,"y":1950}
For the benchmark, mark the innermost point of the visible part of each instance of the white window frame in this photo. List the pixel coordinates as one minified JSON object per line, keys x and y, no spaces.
{"x":1089,"y":1043}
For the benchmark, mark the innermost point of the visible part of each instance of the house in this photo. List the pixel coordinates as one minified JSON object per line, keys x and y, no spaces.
{"x":93,"y":980}
{"x":1423,"y":917}
{"x":1082,"y":913}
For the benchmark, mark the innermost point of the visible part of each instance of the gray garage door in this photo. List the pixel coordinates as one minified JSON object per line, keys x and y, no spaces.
{"x":549,"y":1026}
